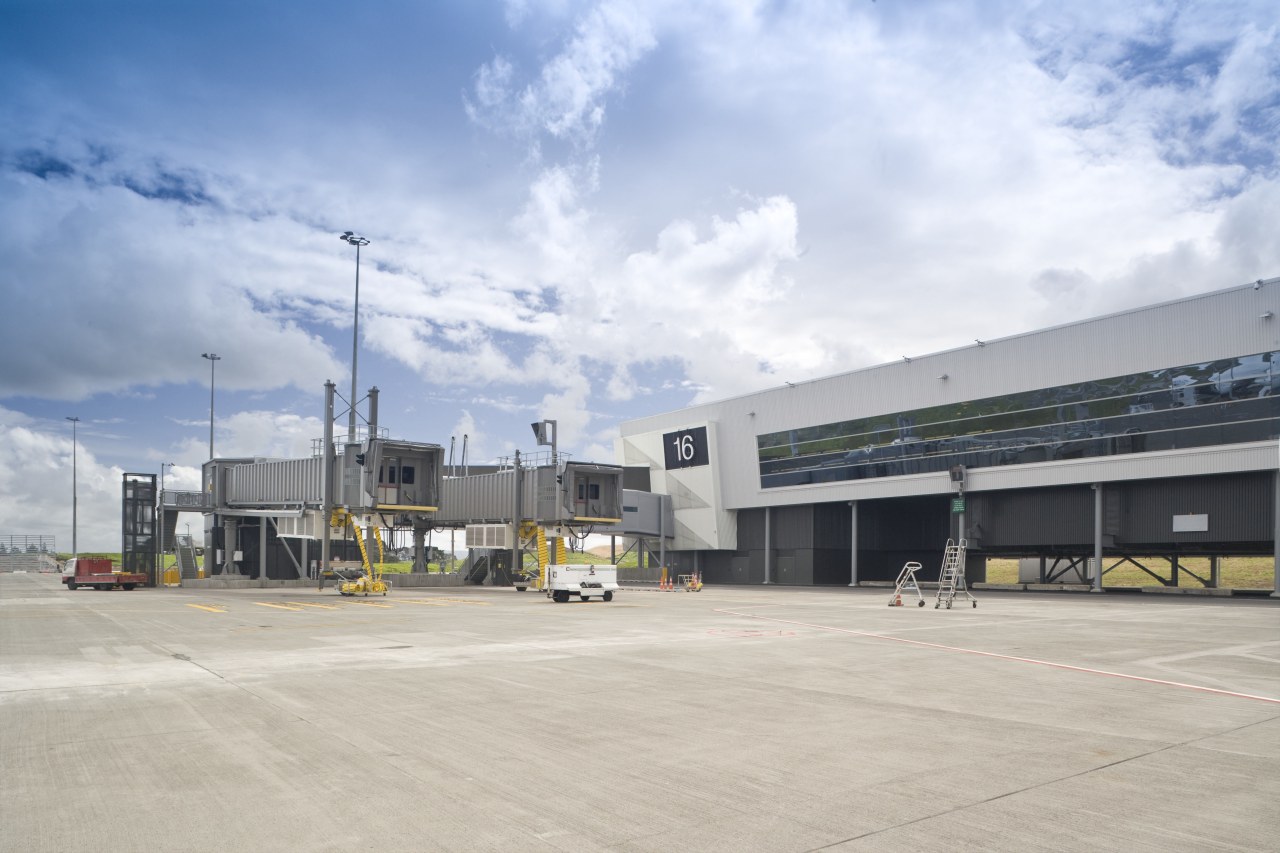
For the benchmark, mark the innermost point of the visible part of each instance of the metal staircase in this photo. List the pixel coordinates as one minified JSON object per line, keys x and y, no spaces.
{"x":951,"y":578}
{"x":908,"y":583}
{"x":186,"y":551}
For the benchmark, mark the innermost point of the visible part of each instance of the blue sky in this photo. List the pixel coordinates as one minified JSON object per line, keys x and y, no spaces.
{"x":586,"y":211}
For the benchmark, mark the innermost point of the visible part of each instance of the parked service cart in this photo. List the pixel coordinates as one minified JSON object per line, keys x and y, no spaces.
{"x":584,"y":581}
{"x":98,"y":573}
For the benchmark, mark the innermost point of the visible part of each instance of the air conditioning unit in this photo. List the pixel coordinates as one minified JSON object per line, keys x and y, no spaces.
{"x":490,"y":536}
{"x":307,"y":526}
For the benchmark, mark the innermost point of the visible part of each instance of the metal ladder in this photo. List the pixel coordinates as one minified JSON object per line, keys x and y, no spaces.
{"x":951,"y":578}
{"x":907,"y":582}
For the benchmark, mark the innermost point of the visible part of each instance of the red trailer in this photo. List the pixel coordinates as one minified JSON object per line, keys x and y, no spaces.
{"x":98,"y":573}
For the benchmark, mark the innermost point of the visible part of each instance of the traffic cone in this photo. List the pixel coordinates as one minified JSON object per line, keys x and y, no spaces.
{"x":897,"y":601}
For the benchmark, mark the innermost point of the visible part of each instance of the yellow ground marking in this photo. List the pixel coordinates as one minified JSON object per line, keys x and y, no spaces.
{"x":310,"y":604}
{"x":466,"y":601}
{"x":371,"y":604}
{"x":210,"y":609}
{"x":423,"y":601}
{"x":278,"y":606}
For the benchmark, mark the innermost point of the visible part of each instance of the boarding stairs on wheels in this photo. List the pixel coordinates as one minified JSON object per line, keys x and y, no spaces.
{"x":951,"y":578}
{"x":907,"y":583}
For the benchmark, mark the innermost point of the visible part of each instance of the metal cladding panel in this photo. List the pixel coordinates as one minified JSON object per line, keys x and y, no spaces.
{"x":1240,"y":508}
{"x":276,"y":483}
{"x":751,"y":529}
{"x":792,"y":527}
{"x":1219,"y":325}
{"x":642,"y":516}
{"x":701,"y":521}
{"x":1032,"y":519}
{"x":832,"y":526}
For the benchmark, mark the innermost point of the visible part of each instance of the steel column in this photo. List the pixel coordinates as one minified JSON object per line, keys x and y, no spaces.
{"x":853,"y":543}
{"x":1097,"y":536}
{"x":327,"y":478}
{"x":1275,"y":576}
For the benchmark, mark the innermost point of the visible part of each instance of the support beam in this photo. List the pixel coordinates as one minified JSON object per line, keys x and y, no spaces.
{"x":768,"y":544}
{"x":853,"y":543}
{"x":1097,"y":536}
{"x":262,"y":552}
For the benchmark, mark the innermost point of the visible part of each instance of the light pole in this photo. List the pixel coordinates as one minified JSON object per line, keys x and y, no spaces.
{"x":160,"y":517}
{"x":357,"y":241}
{"x":214,"y":358}
{"x":74,"y":422}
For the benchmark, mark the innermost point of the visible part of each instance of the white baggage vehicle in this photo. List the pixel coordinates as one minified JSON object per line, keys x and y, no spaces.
{"x":584,"y":581}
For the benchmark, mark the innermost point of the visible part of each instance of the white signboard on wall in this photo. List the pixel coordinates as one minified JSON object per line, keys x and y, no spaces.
{"x":1191,"y":524}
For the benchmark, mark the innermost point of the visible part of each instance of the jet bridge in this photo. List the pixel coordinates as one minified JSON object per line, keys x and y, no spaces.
{"x":550,"y":491}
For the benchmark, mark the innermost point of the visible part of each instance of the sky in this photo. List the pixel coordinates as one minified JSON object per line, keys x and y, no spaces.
{"x":582,"y":211}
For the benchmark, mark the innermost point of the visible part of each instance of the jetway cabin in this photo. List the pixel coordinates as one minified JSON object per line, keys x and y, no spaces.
{"x":383,"y":475}
{"x":594,"y":492}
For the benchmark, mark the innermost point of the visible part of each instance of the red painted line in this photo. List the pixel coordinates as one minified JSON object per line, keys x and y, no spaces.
{"x":1053,"y":664}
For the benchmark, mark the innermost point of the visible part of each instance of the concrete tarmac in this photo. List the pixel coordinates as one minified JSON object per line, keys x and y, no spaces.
{"x":734,"y":719}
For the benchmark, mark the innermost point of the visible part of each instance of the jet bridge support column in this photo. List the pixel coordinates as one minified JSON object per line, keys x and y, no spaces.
{"x":419,"y":548}
{"x":230,"y":540}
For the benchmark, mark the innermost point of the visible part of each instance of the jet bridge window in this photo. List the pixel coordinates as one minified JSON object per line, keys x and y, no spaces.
{"x":406,"y":475}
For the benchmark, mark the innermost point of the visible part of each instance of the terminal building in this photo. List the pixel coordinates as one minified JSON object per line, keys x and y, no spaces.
{"x":1146,"y":433}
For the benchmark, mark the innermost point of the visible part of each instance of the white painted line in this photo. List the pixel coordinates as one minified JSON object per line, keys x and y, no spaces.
{"x":1053,"y":664}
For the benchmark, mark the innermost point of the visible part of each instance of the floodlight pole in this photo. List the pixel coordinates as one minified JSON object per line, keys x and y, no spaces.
{"x":357,"y":241}
{"x":74,"y":477}
{"x":214,"y":358}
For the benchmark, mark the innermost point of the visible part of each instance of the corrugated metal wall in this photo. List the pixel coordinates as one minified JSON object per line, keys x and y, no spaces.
{"x":1137,"y":516}
{"x":1241,"y":509}
{"x":276,"y":482}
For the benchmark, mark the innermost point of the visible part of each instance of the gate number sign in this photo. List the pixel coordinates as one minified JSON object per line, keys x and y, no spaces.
{"x":686,"y":448}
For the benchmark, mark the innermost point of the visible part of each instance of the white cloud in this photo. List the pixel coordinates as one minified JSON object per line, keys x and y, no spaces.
{"x":567,"y":100}
{"x":36,"y":485}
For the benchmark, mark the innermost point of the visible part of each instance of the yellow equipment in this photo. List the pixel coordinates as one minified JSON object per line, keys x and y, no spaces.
{"x":370,"y":579}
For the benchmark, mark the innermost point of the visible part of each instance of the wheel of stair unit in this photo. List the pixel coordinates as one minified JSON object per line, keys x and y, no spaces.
{"x":922,"y":602}
{"x":585,"y":597}
{"x":521,"y":588}
{"x":608,"y":596}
